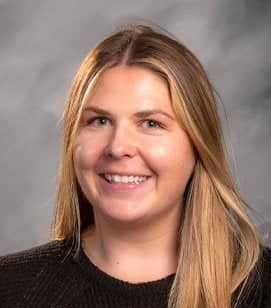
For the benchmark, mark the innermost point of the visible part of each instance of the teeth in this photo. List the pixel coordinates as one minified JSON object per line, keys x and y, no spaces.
{"x":115,"y":178}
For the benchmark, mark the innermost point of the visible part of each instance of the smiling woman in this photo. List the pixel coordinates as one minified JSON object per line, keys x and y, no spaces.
{"x":147,"y":213}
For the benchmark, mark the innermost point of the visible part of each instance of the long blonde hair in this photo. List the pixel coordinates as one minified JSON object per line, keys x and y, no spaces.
{"x":218,"y":244}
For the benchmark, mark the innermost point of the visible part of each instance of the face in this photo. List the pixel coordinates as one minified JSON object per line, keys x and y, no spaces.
{"x":129,"y":133}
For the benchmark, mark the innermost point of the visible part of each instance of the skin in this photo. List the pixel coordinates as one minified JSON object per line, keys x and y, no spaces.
{"x":135,"y":237}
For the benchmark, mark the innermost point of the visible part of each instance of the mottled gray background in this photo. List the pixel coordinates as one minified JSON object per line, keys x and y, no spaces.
{"x":43,"y":42}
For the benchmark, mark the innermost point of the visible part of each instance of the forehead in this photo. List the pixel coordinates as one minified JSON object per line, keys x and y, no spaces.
{"x":130,"y":87}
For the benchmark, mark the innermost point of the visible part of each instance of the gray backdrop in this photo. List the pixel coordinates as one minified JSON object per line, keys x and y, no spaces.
{"x":43,"y":42}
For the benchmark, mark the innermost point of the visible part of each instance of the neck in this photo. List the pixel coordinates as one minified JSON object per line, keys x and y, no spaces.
{"x":133,"y":253}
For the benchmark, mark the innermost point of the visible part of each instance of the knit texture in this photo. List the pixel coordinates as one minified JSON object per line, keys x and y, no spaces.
{"x":49,"y":276}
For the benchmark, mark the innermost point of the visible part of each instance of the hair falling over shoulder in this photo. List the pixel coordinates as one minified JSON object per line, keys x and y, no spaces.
{"x":218,"y":244}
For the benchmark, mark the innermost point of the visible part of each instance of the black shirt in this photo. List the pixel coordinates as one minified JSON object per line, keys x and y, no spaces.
{"x":49,"y":276}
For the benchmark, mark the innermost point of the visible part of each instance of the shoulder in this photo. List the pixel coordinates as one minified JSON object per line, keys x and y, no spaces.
{"x":267,"y":256}
{"x":25,"y":270}
{"x":266,"y":277}
{"x":257,"y":289}
{"x":33,"y":257}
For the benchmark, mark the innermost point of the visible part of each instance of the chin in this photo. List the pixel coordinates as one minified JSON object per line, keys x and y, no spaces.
{"x":123,"y":213}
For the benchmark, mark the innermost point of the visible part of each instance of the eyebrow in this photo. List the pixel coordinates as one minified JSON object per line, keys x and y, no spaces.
{"x":139,"y":114}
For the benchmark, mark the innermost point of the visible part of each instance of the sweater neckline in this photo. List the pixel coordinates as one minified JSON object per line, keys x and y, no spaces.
{"x":94,"y":274}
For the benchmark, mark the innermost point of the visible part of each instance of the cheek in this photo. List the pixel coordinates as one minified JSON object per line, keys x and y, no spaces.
{"x":85,"y":153}
{"x":172,"y":156}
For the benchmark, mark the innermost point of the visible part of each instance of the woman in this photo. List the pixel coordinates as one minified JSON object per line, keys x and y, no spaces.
{"x":147,"y":214}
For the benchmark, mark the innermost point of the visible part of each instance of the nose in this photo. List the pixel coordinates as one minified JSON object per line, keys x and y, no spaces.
{"x":121,"y":143}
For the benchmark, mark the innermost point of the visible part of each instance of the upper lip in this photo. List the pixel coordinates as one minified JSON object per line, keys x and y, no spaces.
{"x":123,"y":173}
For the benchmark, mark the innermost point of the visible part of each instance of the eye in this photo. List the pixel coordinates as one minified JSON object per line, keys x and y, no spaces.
{"x":153,"y":123}
{"x":97,"y":121}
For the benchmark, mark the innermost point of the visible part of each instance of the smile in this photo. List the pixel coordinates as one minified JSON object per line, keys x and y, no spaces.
{"x":116,"y":178}
{"x":119,"y":183}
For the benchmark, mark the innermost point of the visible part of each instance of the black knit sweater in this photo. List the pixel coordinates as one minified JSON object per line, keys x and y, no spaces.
{"x":46,"y":276}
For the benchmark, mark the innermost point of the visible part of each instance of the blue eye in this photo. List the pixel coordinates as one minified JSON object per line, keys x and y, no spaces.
{"x":98,"y":123}
{"x":101,"y":121}
{"x":153,"y":123}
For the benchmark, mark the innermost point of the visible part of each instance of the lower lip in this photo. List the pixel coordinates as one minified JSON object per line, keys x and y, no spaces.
{"x":122,"y":186}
